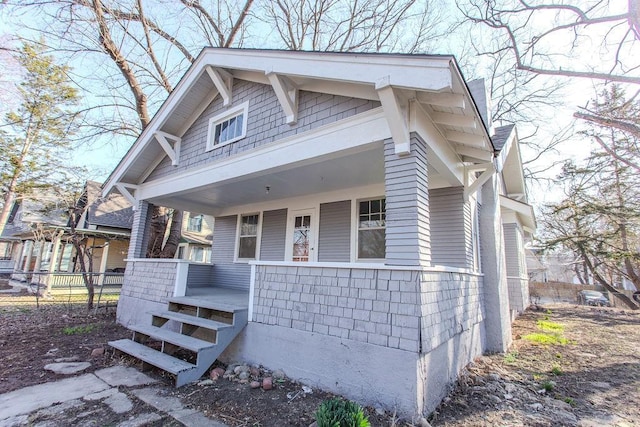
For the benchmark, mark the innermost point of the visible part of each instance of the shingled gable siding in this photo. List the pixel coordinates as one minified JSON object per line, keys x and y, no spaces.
{"x":406,"y":189}
{"x":265,"y":123}
{"x":274,"y":229}
{"x":451,"y":234}
{"x":334,"y":235}
{"x":225,"y":272}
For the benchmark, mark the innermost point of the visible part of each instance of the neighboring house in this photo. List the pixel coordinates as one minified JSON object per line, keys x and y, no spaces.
{"x":26,"y":215}
{"x":42,"y":242}
{"x":196,"y":237}
{"x":369,"y":223}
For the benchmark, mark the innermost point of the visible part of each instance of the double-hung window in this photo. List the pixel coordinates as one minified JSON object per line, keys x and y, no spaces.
{"x":248,"y":236}
{"x":228,"y":127}
{"x":371,"y":229}
{"x":195,"y":223}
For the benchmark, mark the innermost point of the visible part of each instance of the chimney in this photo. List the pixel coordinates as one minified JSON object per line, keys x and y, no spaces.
{"x":483,"y":101}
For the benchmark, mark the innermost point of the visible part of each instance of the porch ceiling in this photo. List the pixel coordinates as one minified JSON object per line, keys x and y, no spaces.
{"x":323,"y":175}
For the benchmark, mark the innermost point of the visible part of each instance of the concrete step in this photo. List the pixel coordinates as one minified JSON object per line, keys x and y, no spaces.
{"x":192,"y":320}
{"x":166,"y":335}
{"x":153,"y":357}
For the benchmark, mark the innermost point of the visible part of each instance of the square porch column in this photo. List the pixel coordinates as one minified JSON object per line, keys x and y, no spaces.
{"x":139,"y":230}
{"x":496,"y":291}
{"x":408,"y":241}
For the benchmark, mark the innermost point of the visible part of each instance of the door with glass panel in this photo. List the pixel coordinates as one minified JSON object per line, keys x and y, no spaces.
{"x":302,"y":236}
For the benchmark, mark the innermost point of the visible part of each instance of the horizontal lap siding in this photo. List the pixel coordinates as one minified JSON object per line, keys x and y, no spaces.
{"x":274,"y":229}
{"x":451,"y":239}
{"x":226,"y":273}
{"x":335,"y":232}
{"x":266,"y":123}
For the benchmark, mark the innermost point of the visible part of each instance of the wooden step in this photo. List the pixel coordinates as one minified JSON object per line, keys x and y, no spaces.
{"x":192,"y":320}
{"x":153,"y":357}
{"x":210,"y":304}
{"x":166,"y":335}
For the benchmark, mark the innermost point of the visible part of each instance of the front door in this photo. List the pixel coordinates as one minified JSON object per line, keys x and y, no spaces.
{"x":302,"y":241}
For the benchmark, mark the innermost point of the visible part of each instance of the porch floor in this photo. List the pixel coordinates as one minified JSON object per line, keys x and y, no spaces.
{"x":227,"y":296}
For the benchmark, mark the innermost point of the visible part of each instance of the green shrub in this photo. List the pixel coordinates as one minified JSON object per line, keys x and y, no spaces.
{"x":340,"y":413}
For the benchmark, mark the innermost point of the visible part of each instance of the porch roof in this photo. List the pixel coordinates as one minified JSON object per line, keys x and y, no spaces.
{"x":433,"y":81}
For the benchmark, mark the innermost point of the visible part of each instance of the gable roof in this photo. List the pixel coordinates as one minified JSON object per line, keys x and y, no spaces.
{"x":435,"y":81}
{"x":113,"y":210}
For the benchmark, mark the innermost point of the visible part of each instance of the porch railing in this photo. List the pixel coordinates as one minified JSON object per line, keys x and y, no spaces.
{"x":71,"y":286}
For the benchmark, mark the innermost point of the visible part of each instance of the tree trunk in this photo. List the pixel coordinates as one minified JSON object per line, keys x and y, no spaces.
{"x":601,"y":280}
{"x":175,"y":232}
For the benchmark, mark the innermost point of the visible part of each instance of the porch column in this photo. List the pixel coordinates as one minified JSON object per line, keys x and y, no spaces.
{"x":40,"y":249}
{"x":19,"y":249}
{"x":408,"y":240}
{"x":496,"y":292}
{"x":29,"y":244}
{"x":103,"y":262}
{"x":139,"y":231}
{"x":55,"y":253}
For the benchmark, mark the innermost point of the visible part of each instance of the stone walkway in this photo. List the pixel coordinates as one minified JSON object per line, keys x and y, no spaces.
{"x":120,"y":389}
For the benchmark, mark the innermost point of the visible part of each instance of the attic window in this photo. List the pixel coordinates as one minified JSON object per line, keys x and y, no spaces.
{"x":227,"y":127}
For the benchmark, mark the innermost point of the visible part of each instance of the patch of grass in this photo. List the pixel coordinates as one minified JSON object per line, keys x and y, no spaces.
{"x":546,"y":339}
{"x":548,"y":386}
{"x":78,"y":330}
{"x":556,"y":370}
{"x":547,"y":325}
{"x":511,"y":357}
{"x":570,"y":401}
{"x":548,"y":311}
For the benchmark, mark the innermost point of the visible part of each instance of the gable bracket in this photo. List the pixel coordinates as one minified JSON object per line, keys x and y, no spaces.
{"x":173,"y":152}
{"x":223,"y":81}
{"x":488,"y":170}
{"x":125,"y":190}
{"x":287,"y":94}
{"x":397,"y":119}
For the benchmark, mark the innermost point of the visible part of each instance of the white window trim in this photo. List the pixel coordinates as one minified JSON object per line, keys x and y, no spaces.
{"x":355,"y":221}
{"x":236,"y":258}
{"x":225,"y":115}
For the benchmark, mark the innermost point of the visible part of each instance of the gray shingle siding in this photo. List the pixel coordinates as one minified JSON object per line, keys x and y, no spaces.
{"x":451,"y":228}
{"x":265,"y":123}
{"x":274,"y":228}
{"x":407,"y":194}
{"x":225,"y":272}
{"x":334,"y":241}
{"x":139,"y":235}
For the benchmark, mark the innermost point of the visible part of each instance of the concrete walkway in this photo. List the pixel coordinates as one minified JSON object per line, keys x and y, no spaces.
{"x":117,"y":387}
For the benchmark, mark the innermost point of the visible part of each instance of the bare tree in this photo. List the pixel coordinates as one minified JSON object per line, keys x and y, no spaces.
{"x":346,"y":26}
{"x":561,"y":39}
{"x":143,"y":51}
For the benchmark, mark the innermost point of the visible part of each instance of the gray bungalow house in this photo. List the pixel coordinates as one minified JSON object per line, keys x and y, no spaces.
{"x":369,"y":223}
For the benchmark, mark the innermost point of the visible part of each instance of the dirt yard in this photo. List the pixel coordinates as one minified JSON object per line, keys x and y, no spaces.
{"x":589,"y":377}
